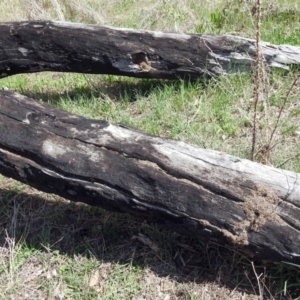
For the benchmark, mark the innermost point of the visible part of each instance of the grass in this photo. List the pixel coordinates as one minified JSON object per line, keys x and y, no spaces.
{"x":51,"y":248}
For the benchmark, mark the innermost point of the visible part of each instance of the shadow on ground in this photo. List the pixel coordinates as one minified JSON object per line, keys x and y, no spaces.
{"x":117,"y":88}
{"x":48,"y":222}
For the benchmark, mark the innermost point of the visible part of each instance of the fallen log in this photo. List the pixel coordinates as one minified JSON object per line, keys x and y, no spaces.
{"x":36,"y":46}
{"x":203,"y":193}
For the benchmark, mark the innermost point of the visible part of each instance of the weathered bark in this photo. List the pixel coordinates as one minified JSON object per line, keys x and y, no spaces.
{"x":68,"y":47}
{"x":204,"y":193}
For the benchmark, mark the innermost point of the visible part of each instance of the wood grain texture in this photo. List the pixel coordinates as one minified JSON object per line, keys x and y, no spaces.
{"x":36,"y":46}
{"x":203,"y":193}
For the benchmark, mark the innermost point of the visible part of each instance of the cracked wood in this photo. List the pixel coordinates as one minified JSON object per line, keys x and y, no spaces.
{"x":203,"y":193}
{"x":36,"y":46}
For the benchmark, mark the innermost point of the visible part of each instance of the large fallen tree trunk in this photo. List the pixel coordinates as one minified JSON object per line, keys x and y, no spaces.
{"x":204,"y":193}
{"x":68,"y":47}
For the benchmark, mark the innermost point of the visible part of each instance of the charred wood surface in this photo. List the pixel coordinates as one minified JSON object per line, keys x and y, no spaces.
{"x":36,"y":46}
{"x":203,"y":193}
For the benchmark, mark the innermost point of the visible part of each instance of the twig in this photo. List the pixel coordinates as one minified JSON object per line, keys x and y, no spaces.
{"x":261,"y":295}
{"x":257,"y":76}
{"x":281,"y":109}
{"x":287,"y":160}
